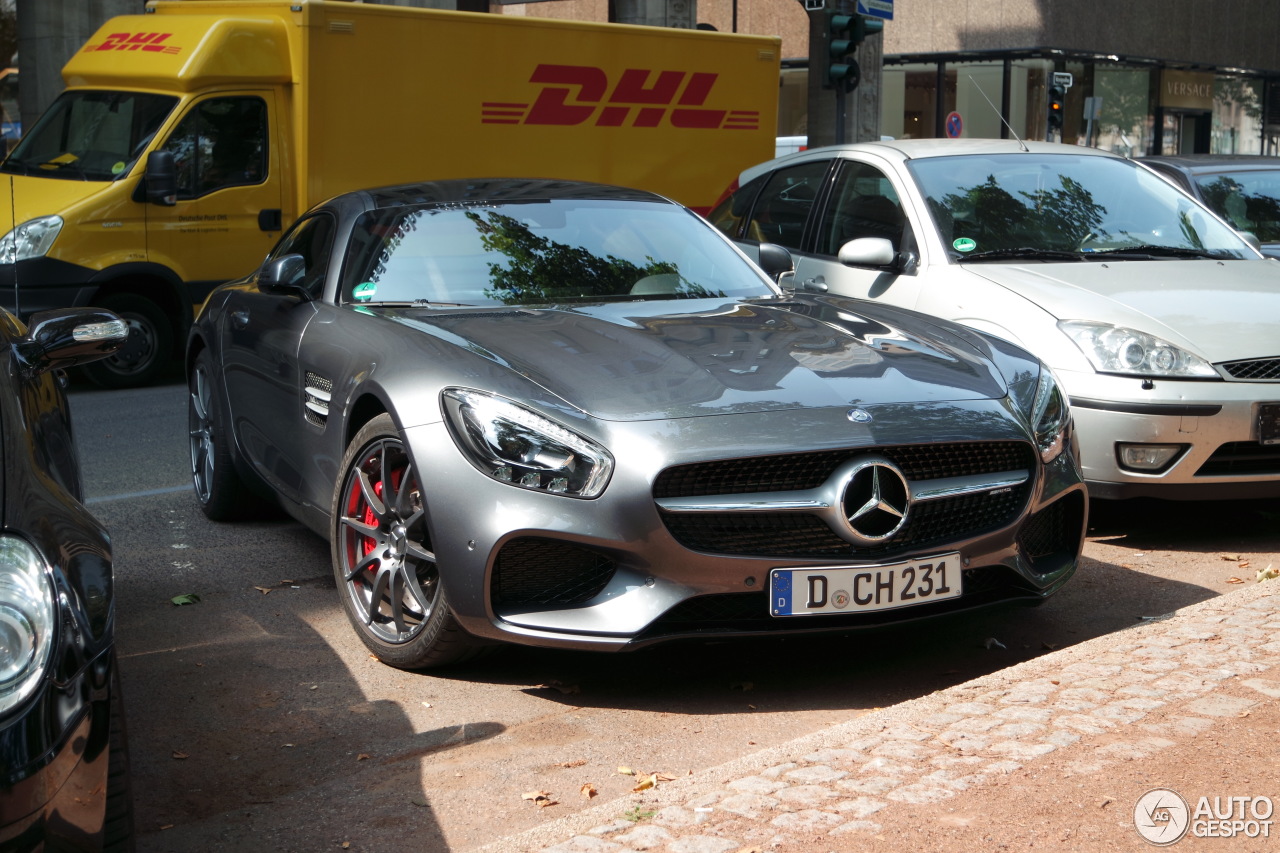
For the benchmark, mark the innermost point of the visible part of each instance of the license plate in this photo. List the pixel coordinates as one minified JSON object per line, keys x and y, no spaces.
{"x":851,"y":589}
{"x":1269,"y":423}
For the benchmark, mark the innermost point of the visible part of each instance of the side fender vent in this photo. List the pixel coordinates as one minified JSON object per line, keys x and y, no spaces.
{"x":318,"y":393}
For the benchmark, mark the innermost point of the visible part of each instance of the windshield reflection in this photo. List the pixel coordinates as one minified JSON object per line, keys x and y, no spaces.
{"x":1064,"y":207}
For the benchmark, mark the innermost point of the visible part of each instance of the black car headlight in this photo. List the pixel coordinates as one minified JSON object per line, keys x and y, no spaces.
{"x":515,"y":445}
{"x":27,"y":619}
{"x":1050,"y":416}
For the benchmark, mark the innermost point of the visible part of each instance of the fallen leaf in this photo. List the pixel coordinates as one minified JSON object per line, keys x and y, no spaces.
{"x":263,"y":589}
{"x":562,"y":687}
{"x":1234,"y":580}
{"x":588,"y":791}
{"x":1244,"y":564}
{"x":180,"y":755}
{"x":167,"y":826}
{"x":417,"y":801}
{"x":1232,"y":557}
{"x":626,"y":771}
{"x":346,"y":845}
{"x":541,"y":799}
{"x":185,"y":598}
{"x":993,"y":643}
{"x":1055,"y":682}
{"x":645,"y":784}
{"x":364,"y":756}
{"x":578,"y":763}
{"x":1244,"y":714}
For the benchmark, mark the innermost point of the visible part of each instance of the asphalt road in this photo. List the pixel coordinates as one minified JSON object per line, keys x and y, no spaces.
{"x":258,"y":721}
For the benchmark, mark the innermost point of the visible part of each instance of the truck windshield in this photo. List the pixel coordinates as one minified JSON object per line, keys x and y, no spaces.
{"x":90,"y":135}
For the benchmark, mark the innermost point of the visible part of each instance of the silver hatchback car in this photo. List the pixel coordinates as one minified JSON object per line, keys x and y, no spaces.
{"x":1161,"y":322}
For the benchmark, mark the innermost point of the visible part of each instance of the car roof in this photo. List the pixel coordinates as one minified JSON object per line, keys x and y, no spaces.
{"x":918,"y":149}
{"x":1195,"y":163}
{"x":499,"y":190}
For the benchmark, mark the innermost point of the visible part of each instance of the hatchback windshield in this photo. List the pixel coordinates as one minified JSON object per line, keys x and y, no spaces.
{"x":541,"y":252}
{"x":1063,"y":207}
{"x":90,"y":135}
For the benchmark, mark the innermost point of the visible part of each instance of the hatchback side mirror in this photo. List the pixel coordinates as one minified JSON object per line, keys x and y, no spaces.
{"x":868,"y":252}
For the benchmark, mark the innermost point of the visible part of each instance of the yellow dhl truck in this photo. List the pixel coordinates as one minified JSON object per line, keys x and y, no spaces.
{"x":190,"y":136}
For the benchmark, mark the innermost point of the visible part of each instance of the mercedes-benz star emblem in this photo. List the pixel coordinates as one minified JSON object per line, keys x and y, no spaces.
{"x":859,"y":416}
{"x":876,"y":500}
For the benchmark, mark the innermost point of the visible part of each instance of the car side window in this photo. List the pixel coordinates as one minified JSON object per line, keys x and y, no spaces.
{"x":864,"y":204}
{"x":784,"y":204}
{"x":221,"y":142}
{"x":730,"y":214}
{"x":312,"y":238}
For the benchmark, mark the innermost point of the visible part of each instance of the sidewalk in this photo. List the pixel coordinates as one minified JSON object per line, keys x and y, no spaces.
{"x":1052,"y":754}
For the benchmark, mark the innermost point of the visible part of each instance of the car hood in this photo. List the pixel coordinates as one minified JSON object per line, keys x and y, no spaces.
{"x":28,"y":196}
{"x":1221,"y":310}
{"x":666,"y":359}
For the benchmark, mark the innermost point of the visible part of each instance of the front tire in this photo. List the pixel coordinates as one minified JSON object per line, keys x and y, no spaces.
{"x":384,"y":563}
{"x":147,"y":351}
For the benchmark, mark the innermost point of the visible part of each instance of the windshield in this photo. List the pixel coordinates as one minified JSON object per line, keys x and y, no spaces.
{"x":1250,"y":200}
{"x":1064,"y":207}
{"x":542,"y":252}
{"x":90,"y":135}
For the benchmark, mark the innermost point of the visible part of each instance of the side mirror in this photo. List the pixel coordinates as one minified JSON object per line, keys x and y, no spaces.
{"x":775,"y":260}
{"x":161,"y":176}
{"x":1251,"y":239}
{"x":868,"y":252}
{"x":284,"y":275}
{"x":66,"y":337}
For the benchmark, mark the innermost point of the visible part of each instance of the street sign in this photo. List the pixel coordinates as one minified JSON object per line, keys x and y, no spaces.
{"x":1065,"y":79}
{"x":955,"y":125}
{"x":876,"y":9}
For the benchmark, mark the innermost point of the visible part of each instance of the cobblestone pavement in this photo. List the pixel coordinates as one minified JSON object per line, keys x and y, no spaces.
{"x":1070,"y":735}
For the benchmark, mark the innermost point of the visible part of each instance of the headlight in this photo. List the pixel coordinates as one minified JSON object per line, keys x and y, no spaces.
{"x":26,"y":621}
{"x":1050,"y":416}
{"x":31,"y":239}
{"x":1115,"y":349}
{"x":514,"y":445}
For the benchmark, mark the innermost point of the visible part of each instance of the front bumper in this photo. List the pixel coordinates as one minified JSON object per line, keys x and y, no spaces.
{"x":1215,"y":423}
{"x":620,"y":572}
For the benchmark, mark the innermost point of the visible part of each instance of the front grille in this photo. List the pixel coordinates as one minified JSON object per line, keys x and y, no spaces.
{"x":1254,"y":369}
{"x":748,"y":612}
{"x":547,"y":572}
{"x":1242,"y":457}
{"x":790,"y":471}
{"x":1050,"y":539}
{"x":799,"y":536}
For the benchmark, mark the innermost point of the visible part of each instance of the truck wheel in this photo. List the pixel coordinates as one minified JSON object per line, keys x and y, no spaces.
{"x":147,"y":350}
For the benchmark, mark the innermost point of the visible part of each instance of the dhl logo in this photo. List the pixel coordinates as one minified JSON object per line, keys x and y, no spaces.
{"x":574,"y":94}
{"x":150,"y":42}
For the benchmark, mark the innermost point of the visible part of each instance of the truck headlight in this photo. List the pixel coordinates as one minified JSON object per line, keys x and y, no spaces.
{"x":1050,"y":416}
{"x":31,"y":239}
{"x":27,"y":619}
{"x":515,"y":445}
{"x":1115,"y":349}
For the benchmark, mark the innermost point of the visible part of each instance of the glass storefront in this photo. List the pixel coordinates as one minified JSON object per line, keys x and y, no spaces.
{"x":1129,"y":108}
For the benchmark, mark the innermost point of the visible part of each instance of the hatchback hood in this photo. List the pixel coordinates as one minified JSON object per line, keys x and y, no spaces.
{"x":1220,"y":310}
{"x":647,"y":360}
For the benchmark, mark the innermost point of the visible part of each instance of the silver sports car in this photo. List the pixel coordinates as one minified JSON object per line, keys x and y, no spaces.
{"x":578,"y":416}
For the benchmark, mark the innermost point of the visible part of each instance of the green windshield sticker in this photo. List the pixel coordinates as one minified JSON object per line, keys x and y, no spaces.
{"x":364,"y":291}
{"x":117,"y":168}
{"x":964,"y":244}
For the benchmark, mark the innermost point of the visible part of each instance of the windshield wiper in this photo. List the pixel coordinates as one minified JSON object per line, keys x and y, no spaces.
{"x":1023,"y":253}
{"x":1147,"y":252}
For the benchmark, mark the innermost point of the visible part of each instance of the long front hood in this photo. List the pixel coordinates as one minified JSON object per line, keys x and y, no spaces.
{"x":1221,"y":310}
{"x":648,"y":360}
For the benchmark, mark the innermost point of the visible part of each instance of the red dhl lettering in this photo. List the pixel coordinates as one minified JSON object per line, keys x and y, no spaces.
{"x":577,"y":94}
{"x":149,"y":42}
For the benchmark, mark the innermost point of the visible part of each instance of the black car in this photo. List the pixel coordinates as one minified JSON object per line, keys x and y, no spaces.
{"x":63,"y":762}
{"x":1243,"y":189}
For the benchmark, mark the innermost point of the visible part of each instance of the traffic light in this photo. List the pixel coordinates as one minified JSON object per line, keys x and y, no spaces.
{"x":846,"y":32}
{"x":1056,"y":95}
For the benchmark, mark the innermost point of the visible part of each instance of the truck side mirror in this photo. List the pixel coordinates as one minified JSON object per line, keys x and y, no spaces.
{"x":161,"y":176}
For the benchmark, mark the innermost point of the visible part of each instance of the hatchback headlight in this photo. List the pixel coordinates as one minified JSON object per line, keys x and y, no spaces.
{"x":1115,"y":349}
{"x":27,"y":621}
{"x":1050,"y":416}
{"x":31,"y":239}
{"x":515,"y":445}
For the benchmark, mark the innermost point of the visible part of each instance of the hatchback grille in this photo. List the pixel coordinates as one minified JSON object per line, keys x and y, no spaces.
{"x":547,"y":572}
{"x":1254,"y":369}
{"x":1242,"y":457}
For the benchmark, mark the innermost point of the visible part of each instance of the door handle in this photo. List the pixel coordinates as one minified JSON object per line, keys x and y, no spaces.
{"x":817,"y":285}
